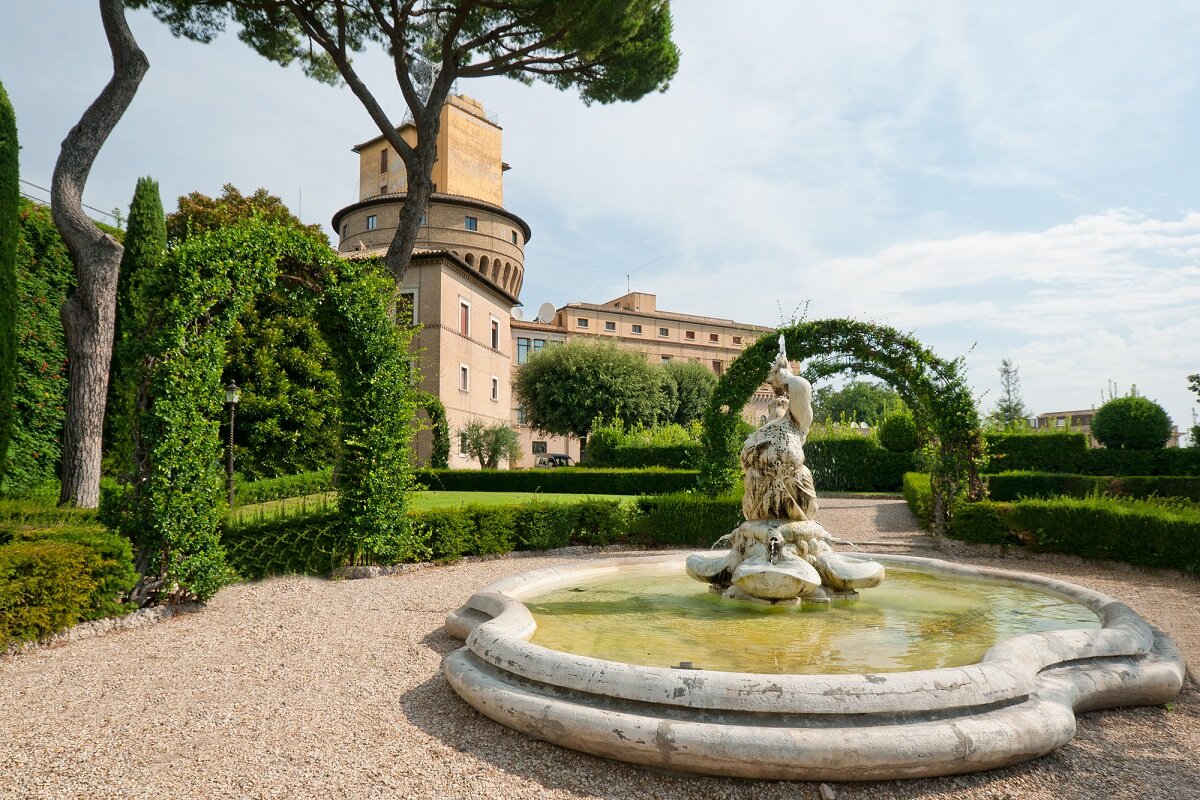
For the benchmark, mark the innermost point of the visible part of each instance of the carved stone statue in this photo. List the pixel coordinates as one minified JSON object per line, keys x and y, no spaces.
{"x":780,"y":553}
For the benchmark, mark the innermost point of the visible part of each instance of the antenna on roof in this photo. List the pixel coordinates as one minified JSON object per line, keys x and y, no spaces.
{"x":545,"y":313}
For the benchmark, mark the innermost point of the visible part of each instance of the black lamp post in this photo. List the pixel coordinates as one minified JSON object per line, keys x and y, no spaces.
{"x":233,"y":393}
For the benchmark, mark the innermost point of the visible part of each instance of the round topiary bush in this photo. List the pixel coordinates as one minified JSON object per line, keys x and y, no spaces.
{"x":1131,"y":423}
{"x":897,"y":431}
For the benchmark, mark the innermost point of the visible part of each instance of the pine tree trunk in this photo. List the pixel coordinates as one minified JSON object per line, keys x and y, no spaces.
{"x":420,"y":188}
{"x":90,"y":313}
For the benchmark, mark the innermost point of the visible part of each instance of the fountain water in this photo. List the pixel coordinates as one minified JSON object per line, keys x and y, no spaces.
{"x":778,"y":715}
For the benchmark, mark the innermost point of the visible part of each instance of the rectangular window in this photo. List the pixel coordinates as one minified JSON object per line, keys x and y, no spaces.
{"x":495,"y":388}
{"x":581,"y":322}
{"x":636,"y":329}
{"x":383,"y":160}
{"x":664,"y":359}
{"x":520,"y":415}
{"x":514,"y":233}
{"x":495,"y":334}
{"x":713,"y":337}
{"x":424,"y":219}
{"x":689,"y":335}
{"x":372,"y":222}
{"x":406,"y":308}
{"x":719,"y":367}
{"x":539,"y":448}
{"x":664,"y":332}
{"x":538,"y":344}
{"x":464,"y":378}
{"x":345,"y":231}
{"x":462,"y":443}
{"x":522,"y":350}
{"x":383,"y":189}
{"x":464,"y":318}
{"x":610,"y":326}
{"x":472,"y":223}
{"x":737,"y":340}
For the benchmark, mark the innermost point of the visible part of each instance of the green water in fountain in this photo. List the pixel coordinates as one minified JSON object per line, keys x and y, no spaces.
{"x":915,"y":620}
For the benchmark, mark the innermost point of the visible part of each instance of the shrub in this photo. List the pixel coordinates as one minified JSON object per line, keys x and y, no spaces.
{"x":250,"y":492}
{"x":1016,"y":485}
{"x":855,"y":464}
{"x":562,"y":480}
{"x":304,"y":543}
{"x":1041,"y":452}
{"x":45,"y":586}
{"x":919,"y":495}
{"x":1131,"y":423}
{"x":672,"y":446}
{"x":897,"y":432}
{"x":983,"y":522}
{"x":689,"y":520}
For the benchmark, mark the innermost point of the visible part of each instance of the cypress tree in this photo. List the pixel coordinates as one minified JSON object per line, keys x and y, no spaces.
{"x":145,"y":248}
{"x":9,"y":195}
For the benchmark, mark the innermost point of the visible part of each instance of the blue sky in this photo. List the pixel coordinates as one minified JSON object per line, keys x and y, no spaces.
{"x":1010,"y":180}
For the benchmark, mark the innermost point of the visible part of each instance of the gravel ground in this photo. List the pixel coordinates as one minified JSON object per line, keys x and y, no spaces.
{"x":300,"y":687}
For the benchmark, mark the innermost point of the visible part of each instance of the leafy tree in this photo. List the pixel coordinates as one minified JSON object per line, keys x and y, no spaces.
{"x":609,"y":49}
{"x":145,"y":249}
{"x":1131,"y":423}
{"x":10,"y":196}
{"x":89,"y":313}
{"x":288,"y":415}
{"x":490,"y":443}
{"x":857,"y":401}
{"x":44,"y":276}
{"x":694,"y":386}
{"x":566,"y":387}
{"x":1010,"y":409}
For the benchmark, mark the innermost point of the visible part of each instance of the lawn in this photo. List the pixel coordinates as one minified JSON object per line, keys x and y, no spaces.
{"x":423,"y":501}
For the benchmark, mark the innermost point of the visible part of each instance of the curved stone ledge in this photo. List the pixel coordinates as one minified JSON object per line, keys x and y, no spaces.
{"x":1017,"y":703}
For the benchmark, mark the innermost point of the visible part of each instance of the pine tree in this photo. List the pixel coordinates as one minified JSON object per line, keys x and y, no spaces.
{"x":145,"y":248}
{"x":1010,"y":410}
{"x":9,"y":195}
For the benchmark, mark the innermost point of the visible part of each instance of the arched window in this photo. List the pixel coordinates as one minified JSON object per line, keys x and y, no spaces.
{"x":483,"y":264}
{"x":507,"y":273}
{"x":470,"y":259}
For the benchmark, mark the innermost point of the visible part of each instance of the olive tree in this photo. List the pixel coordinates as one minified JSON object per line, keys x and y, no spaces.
{"x":610,"y":50}
{"x":490,"y":443}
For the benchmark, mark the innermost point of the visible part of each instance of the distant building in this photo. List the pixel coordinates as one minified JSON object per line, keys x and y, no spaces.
{"x":464,"y":284}
{"x":1081,"y":422}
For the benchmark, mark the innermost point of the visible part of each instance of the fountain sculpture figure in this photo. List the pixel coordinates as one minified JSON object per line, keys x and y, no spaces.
{"x":781,"y":553}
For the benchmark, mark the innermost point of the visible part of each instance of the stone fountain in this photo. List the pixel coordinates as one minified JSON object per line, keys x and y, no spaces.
{"x":780,"y":554}
{"x":1014,"y":702}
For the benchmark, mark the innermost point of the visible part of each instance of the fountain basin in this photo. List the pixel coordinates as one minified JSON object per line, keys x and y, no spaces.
{"x":1018,"y":702}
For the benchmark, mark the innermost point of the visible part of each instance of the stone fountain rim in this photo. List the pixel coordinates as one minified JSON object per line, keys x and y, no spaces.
{"x":496,"y":625}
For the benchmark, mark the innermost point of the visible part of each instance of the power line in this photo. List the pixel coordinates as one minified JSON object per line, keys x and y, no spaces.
{"x":47,"y":191}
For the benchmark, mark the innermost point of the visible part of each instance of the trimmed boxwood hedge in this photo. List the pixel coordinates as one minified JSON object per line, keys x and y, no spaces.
{"x":1017,"y":485}
{"x":856,"y":464}
{"x":260,"y":491}
{"x":562,"y":480}
{"x":919,"y":494}
{"x":1069,"y":453}
{"x":686,"y":520}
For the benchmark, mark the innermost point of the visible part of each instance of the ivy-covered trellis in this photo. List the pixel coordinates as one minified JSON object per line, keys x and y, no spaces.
{"x":174,"y":511}
{"x":439,"y":456}
{"x":933,"y":388}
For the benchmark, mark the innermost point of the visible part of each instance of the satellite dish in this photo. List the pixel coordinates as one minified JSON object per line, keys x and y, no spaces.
{"x":545,"y":312}
{"x":517,"y":313}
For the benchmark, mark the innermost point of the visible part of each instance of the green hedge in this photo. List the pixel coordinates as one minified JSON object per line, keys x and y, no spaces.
{"x":57,"y":568}
{"x":561,"y":480}
{"x":303,"y":543}
{"x":672,"y":456}
{"x":919,"y":494}
{"x":856,"y":464}
{"x":1068,"y":453}
{"x":1017,"y":485}
{"x":260,"y":491}
{"x":687,"y":520}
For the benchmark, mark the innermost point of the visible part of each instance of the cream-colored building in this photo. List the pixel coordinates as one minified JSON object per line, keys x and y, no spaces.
{"x":464,"y":284}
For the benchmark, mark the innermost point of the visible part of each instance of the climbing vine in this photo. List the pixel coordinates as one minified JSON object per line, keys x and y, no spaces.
{"x":943,"y":408}
{"x":439,"y":457}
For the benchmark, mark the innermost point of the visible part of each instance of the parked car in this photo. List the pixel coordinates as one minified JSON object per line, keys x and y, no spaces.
{"x":554,"y":460}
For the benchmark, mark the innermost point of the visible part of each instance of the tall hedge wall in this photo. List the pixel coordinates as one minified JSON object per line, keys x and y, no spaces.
{"x":855,"y":464}
{"x":44,"y":276}
{"x":563,"y":480}
{"x":1069,"y":453}
{"x":10,"y":196}
{"x":1017,"y":485}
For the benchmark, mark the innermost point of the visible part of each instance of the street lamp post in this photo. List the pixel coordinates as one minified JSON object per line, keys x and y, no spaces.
{"x":233,"y":393}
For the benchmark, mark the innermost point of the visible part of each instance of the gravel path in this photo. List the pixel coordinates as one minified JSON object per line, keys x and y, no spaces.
{"x":300,"y":687}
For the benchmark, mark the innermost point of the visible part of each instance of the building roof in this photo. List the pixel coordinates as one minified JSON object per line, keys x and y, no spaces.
{"x":699,"y":320}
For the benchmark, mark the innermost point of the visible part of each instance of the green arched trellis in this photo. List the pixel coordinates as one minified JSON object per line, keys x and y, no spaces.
{"x":175,"y":509}
{"x":439,"y":456}
{"x":933,"y":388}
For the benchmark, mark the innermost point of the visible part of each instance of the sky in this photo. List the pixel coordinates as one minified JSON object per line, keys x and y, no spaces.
{"x":1000,"y":180}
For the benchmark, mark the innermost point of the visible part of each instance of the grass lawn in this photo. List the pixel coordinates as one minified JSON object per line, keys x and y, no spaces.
{"x":423,"y":501}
